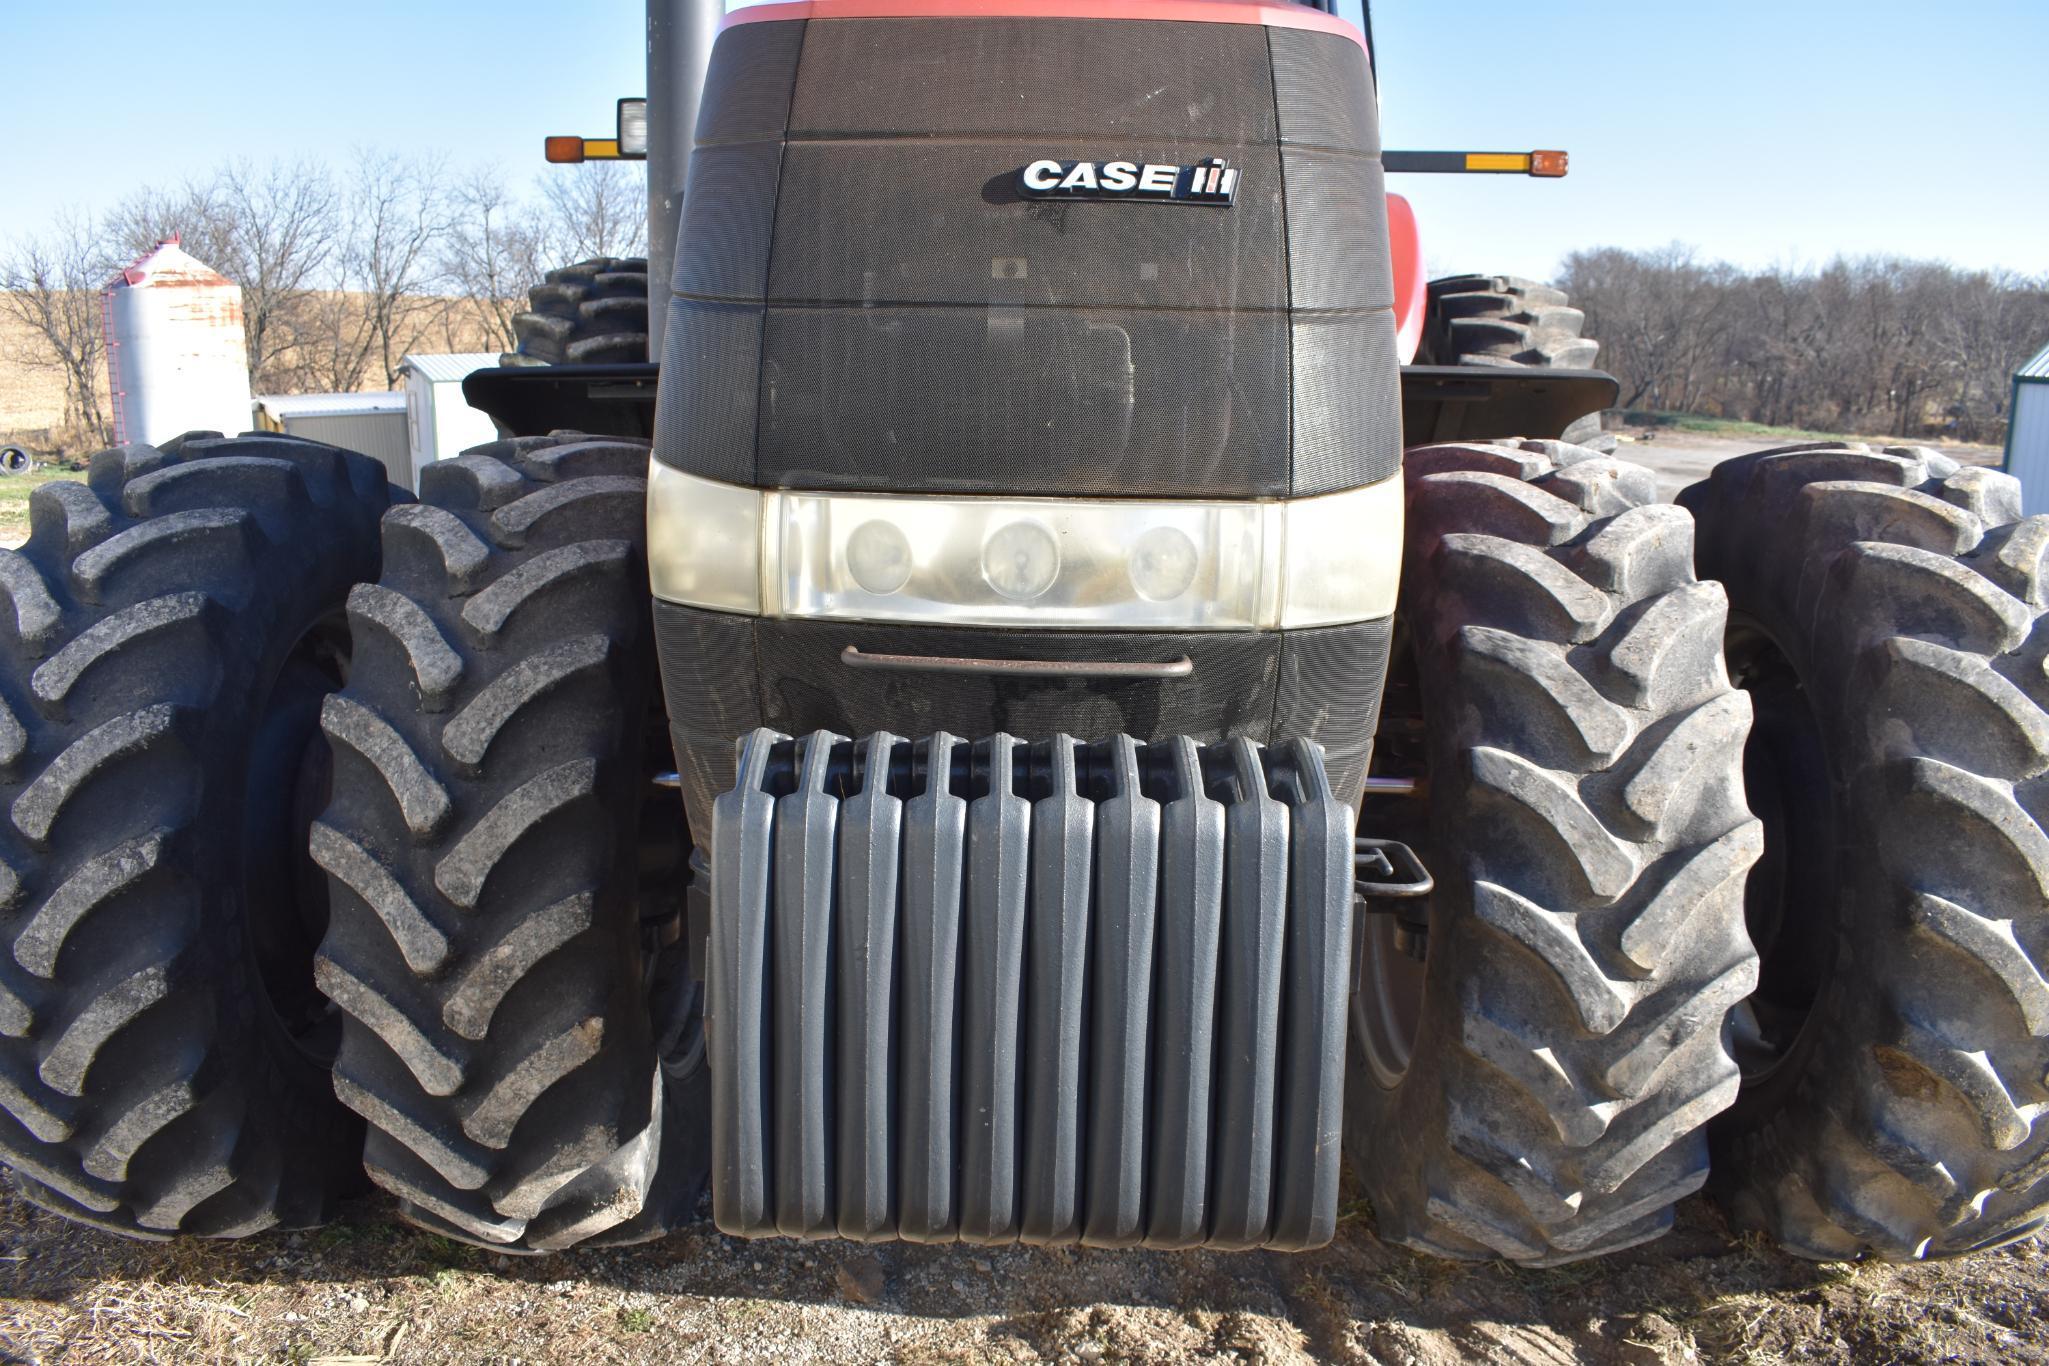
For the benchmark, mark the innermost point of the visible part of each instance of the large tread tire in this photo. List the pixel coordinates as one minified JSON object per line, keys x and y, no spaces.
{"x":1504,"y":320}
{"x":591,"y":313}
{"x":170,"y":628}
{"x":1588,"y":833}
{"x":1904,"y":1120}
{"x":484,"y":842}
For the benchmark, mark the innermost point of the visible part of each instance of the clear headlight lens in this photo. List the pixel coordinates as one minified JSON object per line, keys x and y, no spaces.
{"x":1026,"y":562}
{"x":879,"y":557}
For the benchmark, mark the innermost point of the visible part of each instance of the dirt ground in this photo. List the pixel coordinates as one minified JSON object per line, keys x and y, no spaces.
{"x":368,"y":1290}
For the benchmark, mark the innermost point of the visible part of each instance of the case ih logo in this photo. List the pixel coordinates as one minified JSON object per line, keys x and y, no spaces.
{"x":1207,"y":182}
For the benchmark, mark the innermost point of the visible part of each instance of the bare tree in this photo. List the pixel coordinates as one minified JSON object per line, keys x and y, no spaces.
{"x":51,"y":285}
{"x":492,"y":252}
{"x":381,"y":303}
{"x":1878,"y":345}
{"x":597,"y":208}
{"x":272,"y":230}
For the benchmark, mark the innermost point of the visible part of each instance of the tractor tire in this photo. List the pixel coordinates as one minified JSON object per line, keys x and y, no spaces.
{"x":1506,"y":320}
{"x":498,"y":853}
{"x":591,"y":313}
{"x":1536,"y":1087}
{"x":175,"y":623}
{"x":1885,"y":616}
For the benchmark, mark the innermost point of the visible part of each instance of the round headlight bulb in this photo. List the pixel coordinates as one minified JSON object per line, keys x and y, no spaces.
{"x":879,"y":557}
{"x":1163,"y":564}
{"x":1021,"y":560}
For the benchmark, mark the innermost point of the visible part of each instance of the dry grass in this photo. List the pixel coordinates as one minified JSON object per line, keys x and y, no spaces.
{"x":369,"y":1290}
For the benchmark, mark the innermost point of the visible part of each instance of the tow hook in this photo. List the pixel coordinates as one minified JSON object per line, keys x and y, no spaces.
{"x":1388,"y":879}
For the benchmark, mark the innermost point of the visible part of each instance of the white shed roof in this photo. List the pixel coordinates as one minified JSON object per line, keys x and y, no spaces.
{"x":2038,"y":368}
{"x":331,"y":405}
{"x":451,"y":367}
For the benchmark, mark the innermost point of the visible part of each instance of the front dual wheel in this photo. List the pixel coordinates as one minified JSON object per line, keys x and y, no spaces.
{"x":1535,"y":1056}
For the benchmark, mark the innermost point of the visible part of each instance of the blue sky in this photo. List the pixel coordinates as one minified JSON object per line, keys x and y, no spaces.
{"x":1761,"y":132}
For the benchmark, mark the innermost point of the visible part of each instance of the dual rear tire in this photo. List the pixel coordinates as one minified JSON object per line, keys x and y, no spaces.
{"x":171,"y":629}
{"x":1887,"y":621}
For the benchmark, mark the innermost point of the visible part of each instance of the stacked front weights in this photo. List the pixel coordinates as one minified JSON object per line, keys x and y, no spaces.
{"x":1048,"y":992}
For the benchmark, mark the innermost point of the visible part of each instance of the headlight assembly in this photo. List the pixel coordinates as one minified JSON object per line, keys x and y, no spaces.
{"x":1121,"y":564}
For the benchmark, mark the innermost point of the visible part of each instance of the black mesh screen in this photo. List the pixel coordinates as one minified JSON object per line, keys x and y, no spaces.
{"x":732,"y":191}
{"x":1323,"y":684}
{"x":710,"y":681}
{"x":748,"y":85}
{"x":1346,"y":432}
{"x":704,"y":418}
{"x":928,"y":331}
{"x":1323,"y":90}
{"x":1337,"y":231}
{"x":1231,"y":691}
{"x":908,"y":222}
{"x":1086,"y":77}
{"x":1162,"y":403}
{"x":1323,"y":693}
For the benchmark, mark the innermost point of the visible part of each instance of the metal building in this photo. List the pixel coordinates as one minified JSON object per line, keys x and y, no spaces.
{"x":374,"y":424}
{"x":2027,"y":433}
{"x":442,"y":422}
{"x":176,"y":356}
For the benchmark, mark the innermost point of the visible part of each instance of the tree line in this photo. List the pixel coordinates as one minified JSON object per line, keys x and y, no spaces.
{"x":343,"y":270}
{"x":1879,"y":346}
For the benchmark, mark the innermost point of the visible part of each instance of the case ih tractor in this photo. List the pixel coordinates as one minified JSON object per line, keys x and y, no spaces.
{"x":998,"y":743}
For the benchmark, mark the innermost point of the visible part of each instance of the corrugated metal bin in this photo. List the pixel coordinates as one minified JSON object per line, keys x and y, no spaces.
{"x":2027,"y":433}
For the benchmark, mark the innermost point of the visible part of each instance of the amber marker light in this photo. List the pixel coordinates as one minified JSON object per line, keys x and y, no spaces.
{"x":1550,"y":165}
{"x":564,"y":151}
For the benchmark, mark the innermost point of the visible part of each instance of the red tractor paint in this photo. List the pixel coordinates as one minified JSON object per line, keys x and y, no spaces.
{"x":1411,"y":290}
{"x":1274,"y":15}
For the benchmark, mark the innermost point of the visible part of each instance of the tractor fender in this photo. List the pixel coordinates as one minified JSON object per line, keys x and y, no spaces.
{"x":1411,"y":291}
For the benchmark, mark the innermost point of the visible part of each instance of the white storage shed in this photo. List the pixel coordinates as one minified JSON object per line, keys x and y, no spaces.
{"x":442,"y":423}
{"x":2027,"y":433}
{"x":374,"y":424}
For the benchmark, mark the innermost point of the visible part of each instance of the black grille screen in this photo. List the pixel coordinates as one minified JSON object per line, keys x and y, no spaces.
{"x":923,"y":329}
{"x":963,"y":400}
{"x":1321,"y":684}
{"x":863,"y":301}
{"x":843,"y":236}
{"x":1088,"y":77}
{"x":1323,"y":91}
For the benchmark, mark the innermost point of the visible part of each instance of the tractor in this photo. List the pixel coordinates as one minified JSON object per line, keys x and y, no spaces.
{"x":1027,"y":678}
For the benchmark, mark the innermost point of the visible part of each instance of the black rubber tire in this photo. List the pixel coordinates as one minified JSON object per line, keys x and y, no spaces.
{"x":591,"y":313}
{"x":158,"y":707}
{"x":1586,"y":827}
{"x":1902,"y":1118}
{"x":1503,"y":320}
{"x":484,"y":841}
